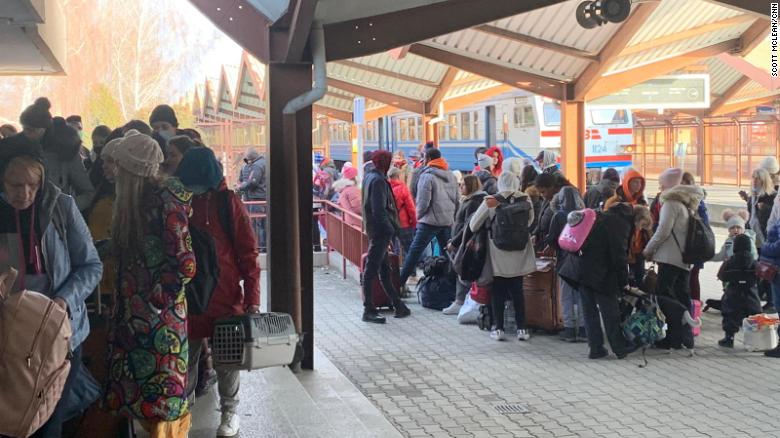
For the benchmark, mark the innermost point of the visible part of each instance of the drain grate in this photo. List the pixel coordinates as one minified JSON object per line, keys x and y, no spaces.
{"x":512,"y":409}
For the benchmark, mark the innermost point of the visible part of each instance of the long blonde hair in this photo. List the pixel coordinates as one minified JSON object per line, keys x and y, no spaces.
{"x":767,"y":185}
{"x":127,"y":225}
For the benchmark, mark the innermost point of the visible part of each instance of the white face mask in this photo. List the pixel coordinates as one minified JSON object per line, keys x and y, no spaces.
{"x":166,"y":135}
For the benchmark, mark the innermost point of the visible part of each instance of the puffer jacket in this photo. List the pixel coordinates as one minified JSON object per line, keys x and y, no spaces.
{"x":770,"y":252}
{"x":668,"y":242}
{"x":407,"y":213}
{"x":489,"y":182}
{"x":437,"y":197}
{"x":349,"y":199}
{"x":468,"y":206}
{"x":254,"y":187}
{"x":70,"y":259}
{"x":602,"y":264}
{"x":506,"y":264}
{"x":380,"y":215}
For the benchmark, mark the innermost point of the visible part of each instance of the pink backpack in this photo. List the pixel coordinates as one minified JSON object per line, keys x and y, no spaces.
{"x":578,"y":226}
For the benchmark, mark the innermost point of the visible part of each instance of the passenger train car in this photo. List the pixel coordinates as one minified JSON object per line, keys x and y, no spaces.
{"x":523,"y":124}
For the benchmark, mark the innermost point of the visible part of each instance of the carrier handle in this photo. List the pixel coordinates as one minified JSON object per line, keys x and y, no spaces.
{"x":7,"y":280}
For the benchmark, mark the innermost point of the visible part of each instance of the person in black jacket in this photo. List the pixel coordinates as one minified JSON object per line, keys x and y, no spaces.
{"x":485,"y":174}
{"x":380,"y":220}
{"x":740,"y":298}
{"x":600,"y":272}
{"x":597,"y":195}
{"x":472,"y":196}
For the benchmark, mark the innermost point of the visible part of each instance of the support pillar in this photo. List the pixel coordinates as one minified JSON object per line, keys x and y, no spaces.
{"x":429,"y":130}
{"x":290,"y":259}
{"x":490,"y":126}
{"x":706,"y":161}
{"x":573,"y":142}
{"x":381,"y":134}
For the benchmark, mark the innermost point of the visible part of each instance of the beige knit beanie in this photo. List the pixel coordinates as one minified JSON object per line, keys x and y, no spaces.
{"x":138,"y":154}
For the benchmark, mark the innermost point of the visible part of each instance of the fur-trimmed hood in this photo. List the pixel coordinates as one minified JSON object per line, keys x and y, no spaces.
{"x":690,"y":196}
{"x":341,"y":184}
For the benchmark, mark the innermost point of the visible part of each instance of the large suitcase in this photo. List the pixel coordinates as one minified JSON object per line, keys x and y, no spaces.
{"x":380,"y":298}
{"x":542,"y":297}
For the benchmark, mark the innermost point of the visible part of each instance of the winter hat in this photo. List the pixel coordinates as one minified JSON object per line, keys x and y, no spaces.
{"x":18,"y":146}
{"x":37,"y":115}
{"x":199,"y":167}
{"x":110,"y":148}
{"x":735,"y":219}
{"x":484,"y":161}
{"x":138,"y":154}
{"x":252,"y":154}
{"x":670,"y":178}
{"x":742,"y":243}
{"x":61,"y":139}
{"x":770,"y":164}
{"x":349,"y":173}
{"x":611,"y":175}
{"x":164,"y":113}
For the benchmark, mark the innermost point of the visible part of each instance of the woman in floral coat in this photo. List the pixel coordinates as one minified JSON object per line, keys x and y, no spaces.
{"x":148,"y":347}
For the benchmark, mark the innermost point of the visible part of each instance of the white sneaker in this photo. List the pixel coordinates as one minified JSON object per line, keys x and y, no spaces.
{"x":497,"y":335}
{"x":453,"y":309}
{"x":229,"y":425}
{"x":523,"y":335}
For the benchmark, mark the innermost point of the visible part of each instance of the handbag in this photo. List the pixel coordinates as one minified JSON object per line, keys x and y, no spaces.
{"x":469,"y":260}
{"x":766,"y":271}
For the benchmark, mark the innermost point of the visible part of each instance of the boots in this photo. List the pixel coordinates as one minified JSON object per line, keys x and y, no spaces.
{"x":401,"y":311}
{"x":371,"y":315}
{"x":775,"y":352}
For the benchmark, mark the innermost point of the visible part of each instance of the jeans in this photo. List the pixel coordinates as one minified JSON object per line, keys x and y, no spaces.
{"x":259,"y":224}
{"x":502,"y":290}
{"x":606,"y":307}
{"x":573,"y":315}
{"x":228,"y":381}
{"x":423,"y":235}
{"x":377,"y":264}
{"x":53,"y":427}
{"x":462,"y":289}
{"x":404,"y":241}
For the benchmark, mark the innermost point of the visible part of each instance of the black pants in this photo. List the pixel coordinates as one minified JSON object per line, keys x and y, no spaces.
{"x":53,"y":427}
{"x":637,"y":272}
{"x":377,"y":264}
{"x":674,"y":282}
{"x":738,"y":303}
{"x":598,"y":307}
{"x":502,"y":290}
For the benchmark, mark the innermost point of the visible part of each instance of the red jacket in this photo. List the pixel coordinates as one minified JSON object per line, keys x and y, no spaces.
{"x":238,"y":260}
{"x":407,"y":213}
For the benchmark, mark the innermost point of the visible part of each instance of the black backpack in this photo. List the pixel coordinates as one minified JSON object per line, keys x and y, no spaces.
{"x":509,"y":228}
{"x":699,"y":242}
{"x":437,"y":289}
{"x":200,"y":289}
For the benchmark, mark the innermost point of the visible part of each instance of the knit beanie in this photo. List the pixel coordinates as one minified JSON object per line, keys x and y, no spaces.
{"x":199,"y":167}
{"x":611,"y":175}
{"x":349,"y":172}
{"x":252,"y":154}
{"x":18,"y":146}
{"x":670,"y":178}
{"x":61,"y":139}
{"x":164,"y":113}
{"x":741,"y":243}
{"x":770,"y":164}
{"x":110,"y":148}
{"x":138,"y":154}
{"x":484,"y":161}
{"x":735,"y":219}
{"x":37,"y":115}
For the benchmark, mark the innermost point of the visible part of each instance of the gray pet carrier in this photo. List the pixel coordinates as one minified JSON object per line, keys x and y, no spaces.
{"x":254,"y":341}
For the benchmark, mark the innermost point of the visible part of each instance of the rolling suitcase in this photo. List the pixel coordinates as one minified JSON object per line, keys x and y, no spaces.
{"x":380,"y":298}
{"x":542,"y":297}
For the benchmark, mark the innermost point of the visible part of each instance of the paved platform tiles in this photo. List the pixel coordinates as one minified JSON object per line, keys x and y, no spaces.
{"x":433,"y":377}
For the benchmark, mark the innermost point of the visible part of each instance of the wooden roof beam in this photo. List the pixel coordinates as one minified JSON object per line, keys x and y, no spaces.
{"x":245,"y":25}
{"x":739,"y":106}
{"x":345,"y":116}
{"x":441,"y":92}
{"x":340,"y":96}
{"x":300,"y":27}
{"x":686,"y":34}
{"x":384,"y":111}
{"x":612,"y":49}
{"x":753,"y":36}
{"x":618,"y":81}
{"x":510,"y":76}
{"x":405,"y":103}
{"x":721,"y":101}
{"x":456,"y":103}
{"x":365,"y":36}
{"x":387,"y":73}
{"x":537,"y":42}
{"x":755,"y":7}
{"x":746,"y":68}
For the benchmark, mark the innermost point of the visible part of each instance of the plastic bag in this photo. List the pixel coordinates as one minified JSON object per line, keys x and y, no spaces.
{"x":469,"y":312}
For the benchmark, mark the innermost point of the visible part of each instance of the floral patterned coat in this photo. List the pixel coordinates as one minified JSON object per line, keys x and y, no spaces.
{"x":148,"y":349}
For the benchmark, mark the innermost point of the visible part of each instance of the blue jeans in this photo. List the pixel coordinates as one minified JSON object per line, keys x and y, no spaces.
{"x":259,"y":224}
{"x":573,"y":312}
{"x":423,"y":235}
{"x":776,"y":291}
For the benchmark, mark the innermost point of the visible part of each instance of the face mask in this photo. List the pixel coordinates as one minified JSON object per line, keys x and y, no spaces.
{"x":81,"y":135}
{"x":166,"y":135}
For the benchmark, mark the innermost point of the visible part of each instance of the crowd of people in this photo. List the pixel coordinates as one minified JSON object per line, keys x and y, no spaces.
{"x":121,"y":220}
{"x":436,"y":207}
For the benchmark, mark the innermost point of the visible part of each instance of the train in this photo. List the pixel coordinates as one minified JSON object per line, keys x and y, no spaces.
{"x":522,"y":124}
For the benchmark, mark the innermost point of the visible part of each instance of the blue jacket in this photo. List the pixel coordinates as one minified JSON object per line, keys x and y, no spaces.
{"x":770,"y":251}
{"x":71,"y":260}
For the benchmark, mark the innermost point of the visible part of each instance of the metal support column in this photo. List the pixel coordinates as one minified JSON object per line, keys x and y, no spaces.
{"x":290,"y":258}
{"x":490,"y":126}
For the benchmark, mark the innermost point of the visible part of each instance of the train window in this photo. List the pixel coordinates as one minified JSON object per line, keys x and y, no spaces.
{"x":370,"y":132}
{"x":609,"y":117}
{"x":404,"y":127}
{"x":475,"y":133}
{"x":552,"y":114}
{"x":452,"y":123}
{"x":524,"y":116}
{"x":465,"y":126}
{"x":420,"y":128}
{"x":443,"y":131}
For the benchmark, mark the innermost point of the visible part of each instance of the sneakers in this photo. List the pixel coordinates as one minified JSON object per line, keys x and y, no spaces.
{"x":401,"y":311}
{"x":727,"y":342}
{"x":373,"y":317}
{"x":497,"y":335}
{"x":229,"y":425}
{"x":598,"y":353}
{"x":453,"y":309}
{"x":523,"y":335}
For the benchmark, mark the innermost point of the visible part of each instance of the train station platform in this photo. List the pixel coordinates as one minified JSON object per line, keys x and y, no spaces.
{"x":719,"y":198}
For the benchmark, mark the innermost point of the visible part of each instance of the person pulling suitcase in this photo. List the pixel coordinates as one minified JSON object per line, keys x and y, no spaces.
{"x":380,"y":221}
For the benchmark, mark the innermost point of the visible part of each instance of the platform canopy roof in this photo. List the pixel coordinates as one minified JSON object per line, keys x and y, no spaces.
{"x":413,"y":54}
{"x":32,"y":37}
